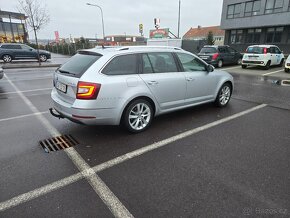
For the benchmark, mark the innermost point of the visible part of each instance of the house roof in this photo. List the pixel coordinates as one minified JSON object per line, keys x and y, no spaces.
{"x":201,"y":32}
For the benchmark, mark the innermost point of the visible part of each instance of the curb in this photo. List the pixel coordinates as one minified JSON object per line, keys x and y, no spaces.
{"x":29,"y":66}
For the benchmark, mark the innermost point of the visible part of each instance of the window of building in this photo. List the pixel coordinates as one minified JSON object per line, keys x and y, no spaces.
{"x":274,"y":6}
{"x":253,"y":35}
{"x":274,"y":35}
{"x":234,"y":11}
{"x":236,"y":36}
{"x":252,"y":8}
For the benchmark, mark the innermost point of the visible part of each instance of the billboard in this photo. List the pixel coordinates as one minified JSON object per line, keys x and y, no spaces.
{"x":159,"y":33}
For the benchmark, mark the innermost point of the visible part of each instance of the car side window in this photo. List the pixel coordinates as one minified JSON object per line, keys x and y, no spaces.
{"x":231,"y":50}
{"x":272,"y":50}
{"x":162,"y":62}
{"x":122,"y":65}
{"x":25,"y":47}
{"x":277,"y":51}
{"x":222,"y":50}
{"x":191,"y":63}
{"x":147,"y":66}
{"x":15,"y":47}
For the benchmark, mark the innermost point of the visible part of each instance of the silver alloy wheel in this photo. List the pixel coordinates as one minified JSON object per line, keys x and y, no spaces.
{"x":139,"y":116}
{"x":7,"y":58}
{"x":225,"y":95}
{"x":42,"y":58}
{"x":220,"y":63}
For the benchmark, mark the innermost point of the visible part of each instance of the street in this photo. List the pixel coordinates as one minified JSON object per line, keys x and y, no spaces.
{"x":199,"y":162}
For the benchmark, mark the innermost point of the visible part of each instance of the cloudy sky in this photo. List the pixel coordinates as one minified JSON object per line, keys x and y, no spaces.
{"x":123,"y":16}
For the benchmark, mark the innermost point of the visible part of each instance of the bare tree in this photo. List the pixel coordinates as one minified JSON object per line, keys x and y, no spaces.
{"x":37,"y":16}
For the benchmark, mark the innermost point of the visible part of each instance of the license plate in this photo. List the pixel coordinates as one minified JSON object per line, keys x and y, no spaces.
{"x":61,"y":87}
{"x":204,"y":57}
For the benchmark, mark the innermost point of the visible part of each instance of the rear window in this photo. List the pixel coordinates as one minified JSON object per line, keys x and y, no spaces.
{"x":208,"y":50}
{"x":79,"y":63}
{"x":255,"y":50}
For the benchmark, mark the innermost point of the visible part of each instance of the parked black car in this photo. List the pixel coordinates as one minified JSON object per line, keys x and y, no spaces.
{"x":14,"y":51}
{"x":220,"y":55}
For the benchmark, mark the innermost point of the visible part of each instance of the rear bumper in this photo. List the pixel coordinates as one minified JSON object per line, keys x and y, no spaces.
{"x":254,"y":63}
{"x":84,"y":116}
{"x":287,"y":66}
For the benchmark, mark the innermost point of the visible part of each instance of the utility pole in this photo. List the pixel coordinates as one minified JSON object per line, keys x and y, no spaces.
{"x":178,"y":19}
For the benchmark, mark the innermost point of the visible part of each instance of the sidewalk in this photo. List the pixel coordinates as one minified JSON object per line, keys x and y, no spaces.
{"x":55,"y":61}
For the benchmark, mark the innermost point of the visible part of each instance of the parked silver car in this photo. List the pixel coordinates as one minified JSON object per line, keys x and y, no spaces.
{"x":131,"y":85}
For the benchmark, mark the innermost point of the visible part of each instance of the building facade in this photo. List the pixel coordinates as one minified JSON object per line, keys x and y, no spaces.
{"x":249,"y":22}
{"x":201,"y":33}
{"x":12,"y":27}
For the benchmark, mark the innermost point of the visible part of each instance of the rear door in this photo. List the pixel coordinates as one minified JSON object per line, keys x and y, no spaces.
{"x":162,"y":77}
{"x":224,"y":54}
{"x":28,"y":52}
{"x":273,"y":55}
{"x":200,"y":84}
{"x":67,"y":76}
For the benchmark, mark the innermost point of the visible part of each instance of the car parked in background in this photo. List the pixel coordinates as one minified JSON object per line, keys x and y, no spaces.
{"x":131,"y":85}
{"x":263,"y":55}
{"x":17,"y":51}
{"x":287,"y":64}
{"x":1,"y":72}
{"x":220,"y":55}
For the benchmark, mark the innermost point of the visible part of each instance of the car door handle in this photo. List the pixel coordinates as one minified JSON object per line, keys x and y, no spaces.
{"x":153,"y":83}
{"x":189,"y":79}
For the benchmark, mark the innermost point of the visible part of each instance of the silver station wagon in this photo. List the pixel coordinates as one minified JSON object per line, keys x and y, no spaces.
{"x":131,"y":85}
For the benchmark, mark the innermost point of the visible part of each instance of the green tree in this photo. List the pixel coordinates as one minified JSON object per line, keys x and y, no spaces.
{"x":210,"y":39}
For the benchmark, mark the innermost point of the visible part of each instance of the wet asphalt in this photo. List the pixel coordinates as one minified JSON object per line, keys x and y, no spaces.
{"x":239,"y":168}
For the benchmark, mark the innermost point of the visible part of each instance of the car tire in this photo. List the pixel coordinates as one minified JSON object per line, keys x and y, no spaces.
{"x":244,"y":66}
{"x":267,"y":67}
{"x":224,"y":95}
{"x":7,"y":58}
{"x":138,"y":116}
{"x":43,"y":58}
{"x":286,"y":70}
{"x":220,"y":63}
{"x":281,"y":63}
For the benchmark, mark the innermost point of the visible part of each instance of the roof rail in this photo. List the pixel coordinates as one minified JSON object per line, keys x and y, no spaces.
{"x":148,"y":47}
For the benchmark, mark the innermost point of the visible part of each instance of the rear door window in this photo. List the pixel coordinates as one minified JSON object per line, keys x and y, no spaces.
{"x":122,"y":65}
{"x":162,"y":62}
{"x":79,"y":63}
{"x":222,"y":50}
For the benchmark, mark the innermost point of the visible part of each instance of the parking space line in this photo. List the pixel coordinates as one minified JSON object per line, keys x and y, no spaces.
{"x":230,"y":68}
{"x":111,"y":201}
{"x":113,"y":162}
{"x":31,"y":79}
{"x":266,"y":74}
{"x":31,"y":90}
{"x":22,"y":116}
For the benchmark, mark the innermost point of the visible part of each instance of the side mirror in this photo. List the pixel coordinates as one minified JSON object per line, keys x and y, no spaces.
{"x":30,"y":49}
{"x":209,"y":68}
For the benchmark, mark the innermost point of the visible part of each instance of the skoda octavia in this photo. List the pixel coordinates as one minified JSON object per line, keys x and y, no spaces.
{"x":132,"y":85}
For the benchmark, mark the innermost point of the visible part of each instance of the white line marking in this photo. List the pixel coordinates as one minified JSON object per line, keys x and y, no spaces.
{"x":112,"y":202}
{"x":31,"y":79}
{"x":272,"y":72}
{"x":25,"y":91}
{"x":22,"y":116}
{"x":61,"y":183}
{"x":230,"y":68}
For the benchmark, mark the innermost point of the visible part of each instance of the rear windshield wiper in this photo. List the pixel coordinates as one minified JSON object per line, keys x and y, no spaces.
{"x":66,"y":72}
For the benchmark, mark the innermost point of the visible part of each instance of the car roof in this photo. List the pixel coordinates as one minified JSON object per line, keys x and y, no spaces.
{"x":263,"y":46}
{"x":103,"y":50}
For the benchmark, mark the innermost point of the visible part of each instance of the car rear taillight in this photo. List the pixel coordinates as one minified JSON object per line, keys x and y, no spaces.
{"x":215,"y":56}
{"x":88,"y":91}
{"x":265,"y":50}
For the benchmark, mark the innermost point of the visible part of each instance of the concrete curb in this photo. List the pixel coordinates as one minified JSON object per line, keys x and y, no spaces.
{"x":28,"y":66}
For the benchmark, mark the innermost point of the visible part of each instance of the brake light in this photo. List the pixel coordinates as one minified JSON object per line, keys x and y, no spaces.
{"x":265,"y":50}
{"x":215,"y":56}
{"x":88,"y":91}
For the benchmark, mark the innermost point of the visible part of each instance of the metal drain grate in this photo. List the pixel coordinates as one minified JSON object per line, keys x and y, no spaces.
{"x":58,"y":143}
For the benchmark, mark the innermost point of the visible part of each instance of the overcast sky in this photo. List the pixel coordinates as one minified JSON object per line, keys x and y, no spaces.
{"x":123,"y":16}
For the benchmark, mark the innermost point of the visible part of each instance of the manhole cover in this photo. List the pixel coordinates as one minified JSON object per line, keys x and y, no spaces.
{"x":58,"y":143}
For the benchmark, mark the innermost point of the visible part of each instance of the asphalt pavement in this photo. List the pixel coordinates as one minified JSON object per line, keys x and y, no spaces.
{"x":199,"y":162}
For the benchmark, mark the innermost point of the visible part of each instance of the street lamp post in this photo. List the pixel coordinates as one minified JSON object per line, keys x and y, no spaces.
{"x":102,"y":17}
{"x":178,"y":19}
